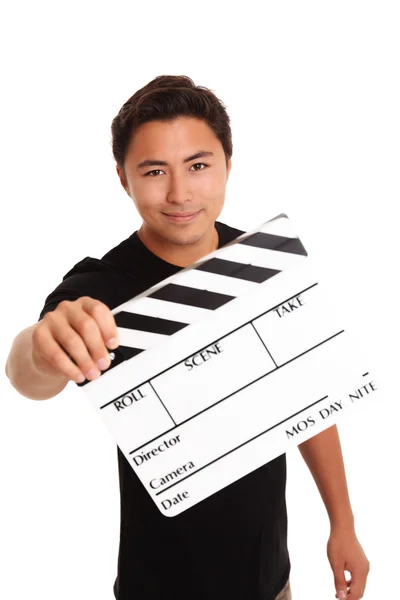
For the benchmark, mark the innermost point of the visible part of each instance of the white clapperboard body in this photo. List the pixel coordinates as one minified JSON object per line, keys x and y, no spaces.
{"x":225,"y":365}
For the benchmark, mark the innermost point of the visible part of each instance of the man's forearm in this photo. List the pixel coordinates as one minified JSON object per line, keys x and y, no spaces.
{"x":323,"y":456}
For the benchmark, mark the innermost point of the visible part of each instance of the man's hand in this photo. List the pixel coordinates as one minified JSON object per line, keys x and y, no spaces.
{"x":82,"y":330}
{"x":346,"y":554}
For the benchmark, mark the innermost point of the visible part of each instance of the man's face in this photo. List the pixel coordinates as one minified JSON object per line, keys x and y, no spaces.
{"x":178,"y":199}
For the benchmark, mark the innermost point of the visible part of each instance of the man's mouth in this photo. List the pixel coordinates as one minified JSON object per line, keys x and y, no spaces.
{"x":182,"y":217}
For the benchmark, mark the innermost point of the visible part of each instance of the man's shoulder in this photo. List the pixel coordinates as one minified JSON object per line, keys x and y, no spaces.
{"x":102,"y":278}
{"x":113,"y":262}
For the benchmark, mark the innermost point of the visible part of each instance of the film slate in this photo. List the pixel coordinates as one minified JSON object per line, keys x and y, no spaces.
{"x":225,"y":366}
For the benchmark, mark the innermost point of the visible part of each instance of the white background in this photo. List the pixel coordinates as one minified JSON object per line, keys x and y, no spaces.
{"x":312,"y":89}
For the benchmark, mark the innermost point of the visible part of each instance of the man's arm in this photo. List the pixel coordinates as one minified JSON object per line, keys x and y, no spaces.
{"x":323,"y":456}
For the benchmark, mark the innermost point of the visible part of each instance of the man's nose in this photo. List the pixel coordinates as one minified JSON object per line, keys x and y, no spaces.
{"x":179,"y":190}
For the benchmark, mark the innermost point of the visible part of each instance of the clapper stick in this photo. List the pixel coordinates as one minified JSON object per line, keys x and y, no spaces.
{"x":226,"y":365}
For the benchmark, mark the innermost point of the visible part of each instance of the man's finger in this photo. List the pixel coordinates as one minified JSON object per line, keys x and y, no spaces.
{"x":340,"y":582}
{"x":357,"y":586}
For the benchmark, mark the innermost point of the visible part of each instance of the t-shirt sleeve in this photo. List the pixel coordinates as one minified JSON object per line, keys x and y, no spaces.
{"x":95,"y":278}
{"x":84,"y":279}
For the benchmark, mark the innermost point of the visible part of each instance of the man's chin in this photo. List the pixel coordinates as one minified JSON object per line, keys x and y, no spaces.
{"x":184,"y":238}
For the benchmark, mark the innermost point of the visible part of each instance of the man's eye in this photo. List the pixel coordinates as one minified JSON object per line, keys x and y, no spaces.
{"x":197,"y":164}
{"x":154,"y":171}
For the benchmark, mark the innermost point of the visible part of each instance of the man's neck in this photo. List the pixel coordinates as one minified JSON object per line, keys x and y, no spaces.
{"x":177,"y":254}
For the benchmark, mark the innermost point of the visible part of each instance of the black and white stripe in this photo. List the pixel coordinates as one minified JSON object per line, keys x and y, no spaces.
{"x":207,"y":285}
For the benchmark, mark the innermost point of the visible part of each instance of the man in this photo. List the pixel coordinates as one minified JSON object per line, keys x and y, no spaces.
{"x":172,"y":145}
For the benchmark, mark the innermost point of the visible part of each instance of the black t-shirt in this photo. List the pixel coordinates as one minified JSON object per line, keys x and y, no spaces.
{"x":230,"y":546}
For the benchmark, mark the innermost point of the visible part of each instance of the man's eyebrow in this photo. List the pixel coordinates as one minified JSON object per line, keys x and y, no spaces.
{"x":153,"y":162}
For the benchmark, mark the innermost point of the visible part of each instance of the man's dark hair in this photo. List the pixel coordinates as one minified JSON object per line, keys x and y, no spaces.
{"x":164,"y":99}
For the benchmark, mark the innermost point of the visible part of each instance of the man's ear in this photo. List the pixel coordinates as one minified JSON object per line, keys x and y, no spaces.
{"x":228,"y":168}
{"x":122,"y":179}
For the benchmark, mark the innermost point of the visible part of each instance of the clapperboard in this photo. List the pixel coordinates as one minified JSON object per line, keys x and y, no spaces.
{"x":225,"y":365}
